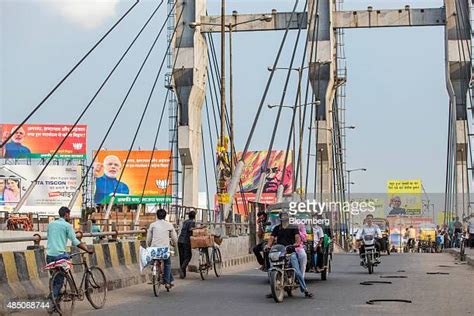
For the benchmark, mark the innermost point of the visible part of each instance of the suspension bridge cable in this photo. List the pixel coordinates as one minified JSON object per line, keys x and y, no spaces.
{"x":205,"y":168}
{"x":151,"y":92}
{"x":460,"y":31}
{"x":280,"y":108}
{"x":84,"y":111}
{"x":267,"y":87}
{"x":154,"y":146}
{"x":37,"y":107}
{"x":298,"y":95}
{"x":120,"y":107}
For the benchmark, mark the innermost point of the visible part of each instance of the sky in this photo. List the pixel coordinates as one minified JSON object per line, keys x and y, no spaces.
{"x":396,"y":95}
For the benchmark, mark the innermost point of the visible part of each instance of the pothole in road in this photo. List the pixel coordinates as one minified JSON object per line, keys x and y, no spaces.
{"x":375,"y":282}
{"x":437,"y":272}
{"x":391,"y":300}
{"x":445,"y":266}
{"x":393,"y":276}
{"x":401,"y":271}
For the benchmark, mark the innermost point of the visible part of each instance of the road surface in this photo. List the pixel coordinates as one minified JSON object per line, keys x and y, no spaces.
{"x":242,"y":291}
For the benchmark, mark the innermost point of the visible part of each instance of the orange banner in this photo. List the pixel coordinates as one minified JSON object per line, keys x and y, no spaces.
{"x":108,"y":168}
{"x":42,"y":140}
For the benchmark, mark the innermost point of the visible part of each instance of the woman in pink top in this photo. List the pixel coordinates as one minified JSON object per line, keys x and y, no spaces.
{"x":11,"y":195}
{"x":302,"y":256}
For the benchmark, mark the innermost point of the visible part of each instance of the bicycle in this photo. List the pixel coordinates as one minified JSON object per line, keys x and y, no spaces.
{"x":157,"y":269}
{"x":206,"y":263}
{"x":93,"y":285}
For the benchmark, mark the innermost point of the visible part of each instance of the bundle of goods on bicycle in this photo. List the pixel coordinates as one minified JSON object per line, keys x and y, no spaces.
{"x":147,"y":255}
{"x":201,"y":238}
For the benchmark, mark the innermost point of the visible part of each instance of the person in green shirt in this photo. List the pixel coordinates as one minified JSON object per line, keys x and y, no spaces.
{"x":59,"y":232}
{"x":96,"y":229}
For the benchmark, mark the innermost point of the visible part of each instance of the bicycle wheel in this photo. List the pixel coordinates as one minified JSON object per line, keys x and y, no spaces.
{"x":64,"y":299}
{"x":203,"y":265}
{"x":156,"y":278}
{"x":96,"y":287}
{"x":217,"y":261}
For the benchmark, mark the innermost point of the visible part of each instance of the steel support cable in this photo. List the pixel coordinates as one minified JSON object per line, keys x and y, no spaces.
{"x":175,"y":135}
{"x":462,"y":34}
{"x":296,"y":101}
{"x":451,"y":182}
{"x":118,"y":110}
{"x":84,"y":111}
{"x":37,"y":107}
{"x":98,"y":91}
{"x":267,"y":87}
{"x":210,"y":137}
{"x":280,"y":108}
{"x":151,"y":92}
{"x":315,"y":35}
{"x":205,"y":169}
{"x":309,"y":148}
{"x":154,"y":146}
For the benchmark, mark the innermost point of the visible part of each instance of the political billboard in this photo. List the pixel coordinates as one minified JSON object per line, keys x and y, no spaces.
{"x":275,"y":173}
{"x":42,"y":140}
{"x":54,"y":189}
{"x":405,"y":197}
{"x":109,"y":165}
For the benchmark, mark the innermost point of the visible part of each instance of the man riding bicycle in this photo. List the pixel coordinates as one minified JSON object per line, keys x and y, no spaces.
{"x":59,"y":232}
{"x":368,"y":229}
{"x":158,"y":235}
{"x":287,"y":235}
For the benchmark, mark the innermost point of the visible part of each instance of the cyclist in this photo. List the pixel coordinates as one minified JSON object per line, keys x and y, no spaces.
{"x":59,"y":232}
{"x":368,"y":229}
{"x":158,"y":235}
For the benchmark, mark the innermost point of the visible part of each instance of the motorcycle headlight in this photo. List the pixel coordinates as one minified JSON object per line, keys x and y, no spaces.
{"x":274,"y":256}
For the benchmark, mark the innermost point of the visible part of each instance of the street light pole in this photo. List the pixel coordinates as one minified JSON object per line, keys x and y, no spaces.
{"x":223,"y":97}
{"x":231,"y":99}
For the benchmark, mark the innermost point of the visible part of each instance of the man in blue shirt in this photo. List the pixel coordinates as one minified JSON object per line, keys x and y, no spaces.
{"x":14,"y":149}
{"x":59,"y":232}
{"x":106,"y":184}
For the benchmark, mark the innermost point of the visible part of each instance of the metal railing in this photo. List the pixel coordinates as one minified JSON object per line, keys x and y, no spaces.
{"x":37,"y":238}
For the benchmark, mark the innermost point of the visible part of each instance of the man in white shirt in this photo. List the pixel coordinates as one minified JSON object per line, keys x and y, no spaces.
{"x":318,"y":236}
{"x":369,"y":229}
{"x":158,"y":235}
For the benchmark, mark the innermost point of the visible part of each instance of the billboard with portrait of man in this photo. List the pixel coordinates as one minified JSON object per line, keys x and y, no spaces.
{"x":42,"y":140}
{"x":404,"y":197}
{"x":146,"y":172}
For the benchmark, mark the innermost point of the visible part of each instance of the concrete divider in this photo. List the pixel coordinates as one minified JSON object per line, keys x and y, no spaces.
{"x":22,"y":275}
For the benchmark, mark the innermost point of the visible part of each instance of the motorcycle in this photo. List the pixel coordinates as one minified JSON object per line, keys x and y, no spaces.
{"x":282,"y":275}
{"x":369,"y":258}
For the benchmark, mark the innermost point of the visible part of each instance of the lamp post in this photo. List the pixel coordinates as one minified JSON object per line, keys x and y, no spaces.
{"x":293,"y":107}
{"x":300,"y":117}
{"x":349,"y":191}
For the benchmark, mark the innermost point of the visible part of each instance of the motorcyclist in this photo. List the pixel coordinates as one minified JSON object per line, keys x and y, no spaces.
{"x":368,"y":229}
{"x":287,"y":235}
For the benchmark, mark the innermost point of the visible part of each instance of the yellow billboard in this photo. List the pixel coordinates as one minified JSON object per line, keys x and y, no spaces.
{"x":404,"y":197}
